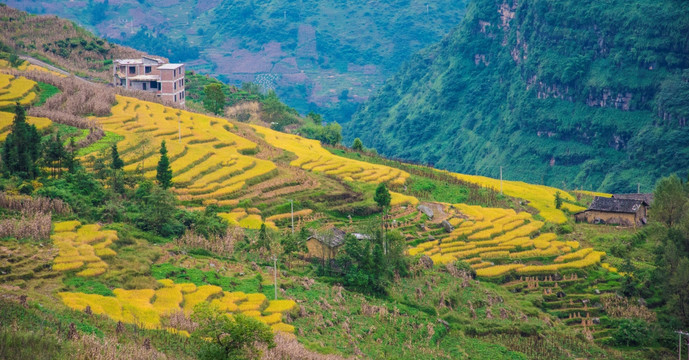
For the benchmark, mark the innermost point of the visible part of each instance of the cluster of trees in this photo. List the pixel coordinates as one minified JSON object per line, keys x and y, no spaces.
{"x":313,"y":128}
{"x":671,"y":278}
{"x":24,"y":152}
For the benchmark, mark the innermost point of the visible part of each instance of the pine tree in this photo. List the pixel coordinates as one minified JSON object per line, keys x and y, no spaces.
{"x":70,"y":158}
{"x":117,"y":163}
{"x":22,"y":147}
{"x":54,"y":154}
{"x":164,"y":173}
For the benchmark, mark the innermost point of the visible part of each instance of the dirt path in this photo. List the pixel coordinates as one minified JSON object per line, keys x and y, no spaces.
{"x":50,"y":67}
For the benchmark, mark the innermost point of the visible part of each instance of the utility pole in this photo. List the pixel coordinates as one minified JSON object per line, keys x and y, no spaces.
{"x":501,"y":180}
{"x":291,"y":204}
{"x":275,"y":273}
{"x":679,"y":348}
{"x":179,"y":131}
{"x":638,"y":188}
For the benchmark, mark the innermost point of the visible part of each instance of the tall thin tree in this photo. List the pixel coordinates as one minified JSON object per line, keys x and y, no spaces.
{"x":164,"y":172}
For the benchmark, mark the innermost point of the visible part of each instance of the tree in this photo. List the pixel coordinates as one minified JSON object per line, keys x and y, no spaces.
{"x":214,"y":99}
{"x":558,"y":200}
{"x":382,"y":196}
{"x":117,"y":163}
{"x":163,"y":171}
{"x":70,"y":158}
{"x":670,"y":201}
{"x":357,"y":145}
{"x":224,"y":337}
{"x":54,"y":154}
{"x":22,"y":147}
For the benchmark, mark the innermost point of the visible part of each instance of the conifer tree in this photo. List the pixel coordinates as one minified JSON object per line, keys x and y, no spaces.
{"x":22,"y":147}
{"x":117,"y":163}
{"x":54,"y":154}
{"x":164,"y":173}
{"x":70,"y":157}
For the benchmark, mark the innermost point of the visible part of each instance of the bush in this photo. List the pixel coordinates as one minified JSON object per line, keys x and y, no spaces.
{"x":631,"y":333}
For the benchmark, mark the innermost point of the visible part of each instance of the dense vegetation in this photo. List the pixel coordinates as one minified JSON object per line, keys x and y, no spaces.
{"x":578,"y":94}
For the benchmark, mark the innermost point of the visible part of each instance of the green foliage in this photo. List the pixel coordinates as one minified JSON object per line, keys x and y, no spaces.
{"x":46,"y":91}
{"x":357,"y":145}
{"x":364,"y":264}
{"x":214,"y":98}
{"x":558,"y":200}
{"x":631,"y":333}
{"x":163,"y":170}
{"x":670,"y":201}
{"x":22,"y":148}
{"x":277,"y":114}
{"x":238,"y":337}
{"x":382,"y":196}
{"x":116,"y":162}
{"x":88,"y":286}
{"x":559,"y":121}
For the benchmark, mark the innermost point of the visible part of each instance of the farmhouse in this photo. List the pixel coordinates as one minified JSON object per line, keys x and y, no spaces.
{"x":325,"y":244}
{"x":152,"y":75}
{"x":620,"y":211}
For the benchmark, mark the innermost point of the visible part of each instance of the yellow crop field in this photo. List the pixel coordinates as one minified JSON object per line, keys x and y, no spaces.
{"x":312,"y":156}
{"x":205,"y":153}
{"x":492,"y":233}
{"x":13,"y":90}
{"x":85,"y":246}
{"x":539,"y":196}
{"x":147,"y":307}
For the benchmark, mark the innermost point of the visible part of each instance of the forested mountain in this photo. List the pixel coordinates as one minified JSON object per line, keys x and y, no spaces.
{"x":575,"y":93}
{"x":326,"y":56}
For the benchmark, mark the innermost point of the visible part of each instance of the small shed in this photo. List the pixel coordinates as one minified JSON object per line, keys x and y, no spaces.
{"x":603,"y":210}
{"x":325,"y":244}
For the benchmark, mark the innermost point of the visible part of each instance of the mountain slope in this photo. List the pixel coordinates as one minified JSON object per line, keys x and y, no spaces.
{"x":580,"y":94}
{"x":326,"y":56}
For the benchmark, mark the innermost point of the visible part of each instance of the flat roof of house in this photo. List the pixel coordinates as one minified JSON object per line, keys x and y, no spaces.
{"x":145,"y":78}
{"x":129,"y":61}
{"x":169,"y":66}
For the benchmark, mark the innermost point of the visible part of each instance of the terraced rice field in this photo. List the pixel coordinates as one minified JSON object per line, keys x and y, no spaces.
{"x":16,"y":89}
{"x":82,"y":247}
{"x":148,"y":308}
{"x":313,"y":157}
{"x":541,"y":197}
{"x":22,"y":90}
{"x":499,"y":241}
{"x":205,"y":154}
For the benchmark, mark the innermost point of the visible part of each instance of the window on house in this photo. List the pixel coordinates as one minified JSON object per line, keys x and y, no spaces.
{"x":147,"y":69}
{"x":174,"y":85}
{"x":159,"y":86}
{"x":154,"y":84}
{"x":123,"y":82}
{"x":174,"y":73}
{"x":175,"y":98}
{"x":144,"y":85}
{"x":123,"y":69}
{"x":132,"y":69}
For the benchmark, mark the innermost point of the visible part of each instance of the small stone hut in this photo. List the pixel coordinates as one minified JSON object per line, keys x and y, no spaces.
{"x":324,"y":245}
{"x":604,"y":210}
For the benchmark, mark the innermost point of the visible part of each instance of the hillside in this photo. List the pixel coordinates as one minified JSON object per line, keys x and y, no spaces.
{"x":577,"y":94}
{"x":325,"y":56}
{"x":131,"y":229}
